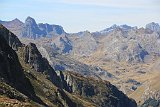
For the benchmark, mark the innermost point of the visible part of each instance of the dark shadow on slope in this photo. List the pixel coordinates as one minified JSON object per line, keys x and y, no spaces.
{"x":12,"y":73}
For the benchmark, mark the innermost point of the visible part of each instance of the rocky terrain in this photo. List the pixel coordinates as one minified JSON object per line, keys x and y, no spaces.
{"x":126,"y":56}
{"x":27,"y":79}
{"x":67,"y":63}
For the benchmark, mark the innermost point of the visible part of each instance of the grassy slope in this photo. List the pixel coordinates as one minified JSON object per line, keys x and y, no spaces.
{"x":151,"y":83}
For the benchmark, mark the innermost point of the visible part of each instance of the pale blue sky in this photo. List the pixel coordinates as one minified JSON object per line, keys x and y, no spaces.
{"x":80,"y":15}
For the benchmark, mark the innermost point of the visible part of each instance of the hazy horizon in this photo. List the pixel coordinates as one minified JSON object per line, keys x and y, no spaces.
{"x":81,"y":15}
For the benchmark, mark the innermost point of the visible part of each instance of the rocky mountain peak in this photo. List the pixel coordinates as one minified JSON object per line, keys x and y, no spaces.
{"x":31,"y":22}
{"x":14,"y":26}
{"x":16,"y":20}
{"x":30,"y":19}
{"x":153,"y":26}
{"x":84,"y":33}
{"x":125,"y":27}
{"x":114,"y":26}
{"x":31,"y":29}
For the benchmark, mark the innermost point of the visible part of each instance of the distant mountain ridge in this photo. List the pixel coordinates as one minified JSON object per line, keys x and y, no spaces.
{"x":113,"y":27}
{"x":119,"y":44}
{"x":153,"y":26}
{"x":30,"y":29}
{"x":15,"y":25}
{"x":116,"y":43}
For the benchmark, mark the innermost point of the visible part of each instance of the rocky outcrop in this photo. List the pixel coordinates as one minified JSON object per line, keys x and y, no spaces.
{"x":102,"y":93}
{"x":10,"y":38}
{"x":32,"y":56}
{"x":31,"y":29}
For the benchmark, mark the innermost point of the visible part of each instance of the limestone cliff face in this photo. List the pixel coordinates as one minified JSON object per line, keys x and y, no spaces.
{"x":32,"y":56}
{"x":49,"y":30}
{"x":31,"y":29}
{"x":102,"y":93}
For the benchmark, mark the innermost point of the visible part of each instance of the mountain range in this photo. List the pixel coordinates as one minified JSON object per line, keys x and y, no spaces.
{"x":31,"y":29}
{"x":27,"y":79}
{"x":126,"y":56}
